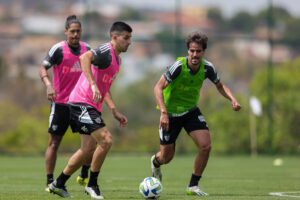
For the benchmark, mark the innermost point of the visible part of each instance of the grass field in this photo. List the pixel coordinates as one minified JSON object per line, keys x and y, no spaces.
{"x":237,"y":177}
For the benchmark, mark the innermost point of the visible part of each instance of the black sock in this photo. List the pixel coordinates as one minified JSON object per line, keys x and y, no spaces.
{"x":49,"y":178}
{"x":156,"y":163}
{"x":61,"y":180}
{"x":84,"y":171}
{"x":194,"y":180}
{"x":93,"y":178}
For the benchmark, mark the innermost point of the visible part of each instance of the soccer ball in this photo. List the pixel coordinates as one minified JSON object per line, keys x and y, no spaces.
{"x":151,"y":188}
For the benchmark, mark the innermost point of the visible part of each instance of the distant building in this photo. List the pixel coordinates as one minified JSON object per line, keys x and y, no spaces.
{"x":186,"y":22}
{"x":43,"y":24}
{"x":260,"y":49}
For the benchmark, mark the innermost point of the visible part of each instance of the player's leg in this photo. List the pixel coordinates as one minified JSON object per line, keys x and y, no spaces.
{"x":79,"y":157}
{"x":202,"y":141}
{"x":51,"y":156}
{"x":58,"y":124}
{"x":167,"y":146}
{"x":83,"y":177}
{"x":104,"y":141}
{"x":74,"y":163}
{"x":197,"y":128}
{"x":164,"y":156}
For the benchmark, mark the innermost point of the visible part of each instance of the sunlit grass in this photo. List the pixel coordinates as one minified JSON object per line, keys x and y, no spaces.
{"x":237,"y":177}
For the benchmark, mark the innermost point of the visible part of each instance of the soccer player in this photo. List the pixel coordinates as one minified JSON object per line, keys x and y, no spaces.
{"x":177,"y":94}
{"x":64,"y":57}
{"x":86,"y":101}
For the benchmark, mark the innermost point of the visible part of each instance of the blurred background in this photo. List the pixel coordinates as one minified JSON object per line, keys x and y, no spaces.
{"x":254,"y":46}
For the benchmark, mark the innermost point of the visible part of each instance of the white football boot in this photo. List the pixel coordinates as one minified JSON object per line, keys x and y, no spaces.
{"x":94,"y":191}
{"x":156,"y":172}
{"x":59,"y":191}
{"x":195,"y":190}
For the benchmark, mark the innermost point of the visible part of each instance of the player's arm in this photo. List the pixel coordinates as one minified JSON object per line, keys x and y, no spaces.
{"x":111,"y":105}
{"x":85,"y":60}
{"x":51,"y":93}
{"x":225,"y":91}
{"x":54,"y":57}
{"x":159,"y":97}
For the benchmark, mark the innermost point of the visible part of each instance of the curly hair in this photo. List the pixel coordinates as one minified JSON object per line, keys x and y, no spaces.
{"x":197,"y":37}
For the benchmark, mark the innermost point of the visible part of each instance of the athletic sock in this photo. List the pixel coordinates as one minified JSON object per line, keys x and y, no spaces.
{"x":156,"y":163}
{"x":84,"y":171}
{"x":194,"y":180}
{"x":62,"y":179}
{"x":93,"y":178}
{"x":49,"y":178}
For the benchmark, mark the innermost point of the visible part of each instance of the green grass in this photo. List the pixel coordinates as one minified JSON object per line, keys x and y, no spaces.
{"x":237,"y":177}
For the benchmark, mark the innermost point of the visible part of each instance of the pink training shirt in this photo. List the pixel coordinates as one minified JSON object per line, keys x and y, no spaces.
{"x":82,"y":92}
{"x":66,"y":75}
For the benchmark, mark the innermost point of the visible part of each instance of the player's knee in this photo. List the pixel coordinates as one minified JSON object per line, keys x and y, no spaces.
{"x":53,"y":145}
{"x":205,"y":148}
{"x":107,"y":142}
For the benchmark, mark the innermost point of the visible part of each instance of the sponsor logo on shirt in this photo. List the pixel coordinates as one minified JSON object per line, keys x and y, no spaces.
{"x":66,"y":70}
{"x":75,"y":68}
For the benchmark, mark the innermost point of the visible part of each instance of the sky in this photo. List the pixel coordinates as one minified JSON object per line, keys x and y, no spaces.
{"x":229,"y":7}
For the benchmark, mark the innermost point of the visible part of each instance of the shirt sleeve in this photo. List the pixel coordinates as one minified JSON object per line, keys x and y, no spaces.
{"x":173,"y":71}
{"x":102,"y":57}
{"x":211,"y":73}
{"x":54,"y":56}
{"x":87,"y":46}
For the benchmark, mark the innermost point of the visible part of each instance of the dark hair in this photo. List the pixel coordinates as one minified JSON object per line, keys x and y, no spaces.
{"x":118,"y":27}
{"x":70,"y":20}
{"x":197,"y":37}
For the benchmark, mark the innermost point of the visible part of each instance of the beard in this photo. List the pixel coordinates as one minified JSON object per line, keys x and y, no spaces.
{"x":195,"y":60}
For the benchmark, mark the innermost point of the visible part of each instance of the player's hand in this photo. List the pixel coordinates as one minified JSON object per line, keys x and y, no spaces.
{"x":164,"y":121}
{"x":235,"y":105}
{"x":96,"y":94}
{"x":51,"y":93}
{"x":121,"y":118}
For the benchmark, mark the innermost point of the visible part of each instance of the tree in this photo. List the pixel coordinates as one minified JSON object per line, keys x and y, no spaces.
{"x":280,"y":15}
{"x":215,"y":14}
{"x":243,"y":22}
{"x":286,"y":110}
{"x":167,"y":40}
{"x":291,"y":33}
{"x":2,"y":67}
{"x":131,"y":14}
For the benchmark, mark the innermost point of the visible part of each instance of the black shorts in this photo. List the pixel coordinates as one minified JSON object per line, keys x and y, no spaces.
{"x":191,"y":121}
{"x":85,"y":119}
{"x":59,"y":118}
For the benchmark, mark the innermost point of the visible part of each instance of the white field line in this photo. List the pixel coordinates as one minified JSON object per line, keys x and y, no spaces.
{"x":286,"y":194}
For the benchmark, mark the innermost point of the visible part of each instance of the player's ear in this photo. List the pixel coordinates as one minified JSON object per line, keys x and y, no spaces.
{"x":114,"y":36}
